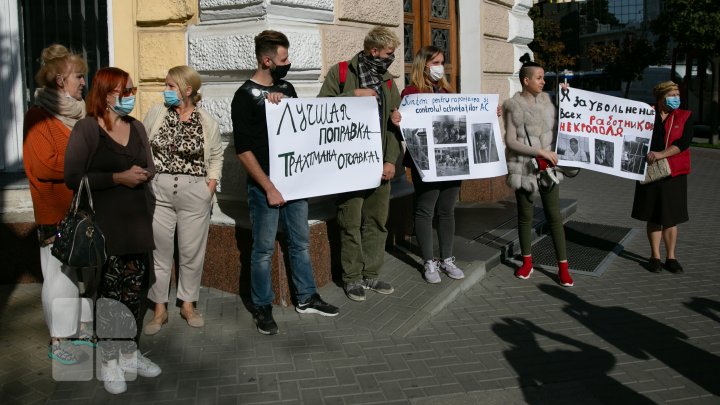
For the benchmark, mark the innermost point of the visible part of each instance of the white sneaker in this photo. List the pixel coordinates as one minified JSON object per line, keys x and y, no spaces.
{"x":432,"y":275}
{"x":137,"y":363}
{"x":113,"y":377}
{"x":448,"y":267}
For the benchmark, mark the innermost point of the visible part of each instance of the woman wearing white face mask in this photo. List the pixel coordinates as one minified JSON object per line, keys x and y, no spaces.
{"x":188,"y":157}
{"x":58,"y":106}
{"x":112,"y":150}
{"x":663,"y":204}
{"x":428,"y":76}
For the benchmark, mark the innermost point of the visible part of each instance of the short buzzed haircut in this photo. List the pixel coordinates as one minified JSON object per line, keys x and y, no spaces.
{"x":267,"y":43}
{"x":380,"y":37}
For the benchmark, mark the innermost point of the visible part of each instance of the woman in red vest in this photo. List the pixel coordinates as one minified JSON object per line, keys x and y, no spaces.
{"x":663,"y":204}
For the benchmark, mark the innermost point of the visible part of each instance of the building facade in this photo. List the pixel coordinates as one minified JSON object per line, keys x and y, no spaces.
{"x":484,"y":40}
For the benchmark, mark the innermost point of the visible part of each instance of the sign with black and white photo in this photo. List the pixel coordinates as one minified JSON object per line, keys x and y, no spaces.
{"x":321,"y":146}
{"x":453,"y":136}
{"x":604,"y":133}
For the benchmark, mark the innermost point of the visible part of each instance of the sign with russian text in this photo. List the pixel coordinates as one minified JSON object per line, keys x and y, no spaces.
{"x":321,"y":146}
{"x":603,"y":133}
{"x":453,"y":136}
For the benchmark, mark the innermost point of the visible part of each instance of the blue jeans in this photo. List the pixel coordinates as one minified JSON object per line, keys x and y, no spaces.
{"x":264,"y":219}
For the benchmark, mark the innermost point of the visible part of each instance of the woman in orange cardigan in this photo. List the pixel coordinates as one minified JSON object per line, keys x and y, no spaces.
{"x":58,"y":106}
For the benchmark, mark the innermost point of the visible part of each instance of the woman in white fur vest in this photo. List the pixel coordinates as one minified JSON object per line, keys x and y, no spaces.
{"x":530,"y":129}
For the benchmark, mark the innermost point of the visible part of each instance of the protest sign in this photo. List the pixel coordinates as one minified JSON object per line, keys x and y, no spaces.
{"x":453,"y":136}
{"x":321,"y":146}
{"x":604,"y":133}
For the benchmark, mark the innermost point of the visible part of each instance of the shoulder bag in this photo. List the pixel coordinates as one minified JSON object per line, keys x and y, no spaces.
{"x":79,"y":242}
{"x":660,"y":168}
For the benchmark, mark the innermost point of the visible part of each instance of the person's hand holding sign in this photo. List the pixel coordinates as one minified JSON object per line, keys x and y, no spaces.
{"x":275,"y":97}
{"x":388,"y":171}
{"x":274,"y":197}
{"x":395,"y":117}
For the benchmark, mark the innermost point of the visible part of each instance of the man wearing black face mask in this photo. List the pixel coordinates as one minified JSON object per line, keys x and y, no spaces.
{"x":362,"y":215}
{"x":267,"y":205}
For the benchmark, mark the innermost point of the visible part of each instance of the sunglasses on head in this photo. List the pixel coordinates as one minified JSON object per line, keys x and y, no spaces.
{"x":128,"y":91}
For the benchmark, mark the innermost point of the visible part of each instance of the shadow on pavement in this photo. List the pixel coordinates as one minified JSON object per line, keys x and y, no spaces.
{"x":705,"y":306}
{"x":643,"y":338}
{"x":561,"y":376}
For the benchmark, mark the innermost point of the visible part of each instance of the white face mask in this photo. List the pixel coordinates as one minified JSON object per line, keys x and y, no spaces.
{"x":436,"y":72}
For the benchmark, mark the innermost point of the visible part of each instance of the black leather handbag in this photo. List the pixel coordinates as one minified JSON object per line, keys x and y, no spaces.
{"x":79,"y":242}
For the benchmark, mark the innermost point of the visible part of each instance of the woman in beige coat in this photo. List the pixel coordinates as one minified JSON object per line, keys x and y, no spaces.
{"x":188,"y":156}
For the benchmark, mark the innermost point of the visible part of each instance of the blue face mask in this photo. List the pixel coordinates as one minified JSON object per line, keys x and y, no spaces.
{"x":672,"y":102}
{"x":124,"y":106}
{"x":171,"y":98}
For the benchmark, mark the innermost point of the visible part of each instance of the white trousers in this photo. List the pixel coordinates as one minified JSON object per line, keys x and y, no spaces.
{"x":183,"y":203}
{"x":62,"y":306}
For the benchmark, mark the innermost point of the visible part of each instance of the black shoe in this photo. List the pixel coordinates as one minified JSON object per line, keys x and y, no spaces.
{"x":355,"y":291}
{"x":655,"y":265}
{"x":264,"y":320}
{"x":377,"y":285}
{"x":673,"y":266}
{"x":316,"y":305}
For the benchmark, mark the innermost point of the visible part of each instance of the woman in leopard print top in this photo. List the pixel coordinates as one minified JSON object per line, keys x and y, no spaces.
{"x":188,"y":157}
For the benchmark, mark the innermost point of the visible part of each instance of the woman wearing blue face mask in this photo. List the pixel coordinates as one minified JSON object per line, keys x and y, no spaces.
{"x":112,"y":150}
{"x":188,"y":157}
{"x":663,"y":203}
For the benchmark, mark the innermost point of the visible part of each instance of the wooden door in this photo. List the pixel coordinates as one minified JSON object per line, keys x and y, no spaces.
{"x":432,"y":22}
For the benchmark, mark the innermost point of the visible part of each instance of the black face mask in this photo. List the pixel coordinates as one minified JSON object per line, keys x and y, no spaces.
{"x":279,"y":72}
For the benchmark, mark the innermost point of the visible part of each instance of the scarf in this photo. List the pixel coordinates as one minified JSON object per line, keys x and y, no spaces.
{"x":65,"y":108}
{"x":371,"y":71}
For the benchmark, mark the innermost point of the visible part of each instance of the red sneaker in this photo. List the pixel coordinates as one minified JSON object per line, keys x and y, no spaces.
{"x":564,"y":275}
{"x":526,"y":269}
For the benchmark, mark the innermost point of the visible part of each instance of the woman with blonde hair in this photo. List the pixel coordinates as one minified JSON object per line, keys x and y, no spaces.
{"x":188,"y":157}
{"x":428,"y":76}
{"x":58,"y":106}
{"x":663,"y":204}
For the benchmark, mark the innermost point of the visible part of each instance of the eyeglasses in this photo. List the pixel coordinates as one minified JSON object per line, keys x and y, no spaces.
{"x":126,"y":92}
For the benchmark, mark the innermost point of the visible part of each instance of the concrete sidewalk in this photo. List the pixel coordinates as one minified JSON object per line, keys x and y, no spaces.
{"x":629,"y":336}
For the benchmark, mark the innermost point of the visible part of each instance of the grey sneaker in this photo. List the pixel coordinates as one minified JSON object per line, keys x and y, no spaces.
{"x":354,"y":290}
{"x":432,"y":275}
{"x":448,"y":267}
{"x":63,"y":353}
{"x":377,"y":285}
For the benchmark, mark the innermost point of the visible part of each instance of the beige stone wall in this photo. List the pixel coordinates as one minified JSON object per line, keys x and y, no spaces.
{"x":153,"y":12}
{"x":374,"y":12}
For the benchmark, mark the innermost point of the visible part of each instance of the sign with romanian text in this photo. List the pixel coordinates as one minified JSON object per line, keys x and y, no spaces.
{"x":321,"y":146}
{"x":453,"y":136}
{"x":603,"y":133}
